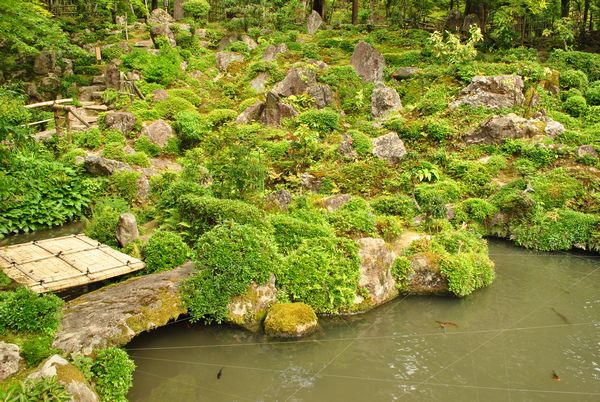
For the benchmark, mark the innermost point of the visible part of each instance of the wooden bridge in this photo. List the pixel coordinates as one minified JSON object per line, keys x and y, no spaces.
{"x":64,"y":262}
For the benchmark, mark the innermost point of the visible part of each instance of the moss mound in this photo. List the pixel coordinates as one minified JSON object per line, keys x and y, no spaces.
{"x":290,"y":320}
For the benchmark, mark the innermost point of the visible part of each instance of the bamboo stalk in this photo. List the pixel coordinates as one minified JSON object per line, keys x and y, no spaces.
{"x":49,"y":103}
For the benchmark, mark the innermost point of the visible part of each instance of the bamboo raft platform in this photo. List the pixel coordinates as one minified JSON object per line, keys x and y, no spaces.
{"x":64,"y":262}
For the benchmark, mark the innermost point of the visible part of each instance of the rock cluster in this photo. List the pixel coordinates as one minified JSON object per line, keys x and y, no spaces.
{"x":269,"y":112}
{"x":496,"y":129}
{"x":495,"y":92}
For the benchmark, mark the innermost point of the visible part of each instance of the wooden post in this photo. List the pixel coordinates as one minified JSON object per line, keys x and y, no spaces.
{"x":57,"y":122}
{"x":98,"y":54}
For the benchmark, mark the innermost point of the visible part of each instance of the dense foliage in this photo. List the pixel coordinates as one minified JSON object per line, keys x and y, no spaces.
{"x":112,"y":372}
{"x":165,"y":250}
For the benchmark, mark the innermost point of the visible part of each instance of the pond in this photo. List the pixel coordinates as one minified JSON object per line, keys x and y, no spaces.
{"x":533,"y":335}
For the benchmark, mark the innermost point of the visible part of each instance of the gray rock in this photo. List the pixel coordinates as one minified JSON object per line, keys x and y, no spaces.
{"x":322,"y":94}
{"x":9,"y":360}
{"x":249,"y":309}
{"x":146,"y":44}
{"x":279,"y":199}
{"x":249,"y":42}
{"x":425,"y":277}
{"x":162,"y":31}
{"x":270,"y":112}
{"x":45,"y":62}
{"x":297,"y":81}
{"x":313,"y":23}
{"x":495,"y":92}
{"x":159,"y":94}
{"x":272,"y":51}
{"x":346,"y":150}
{"x":113,"y":315}
{"x":453,"y":21}
{"x":587,"y":150}
{"x":143,"y":187}
{"x":159,"y":16}
{"x":389,"y":147}
{"x":127,"y":230}
{"x":227,"y":40}
{"x":376,"y":261}
{"x":112,"y":75}
{"x":260,"y":81}
{"x":496,"y":129}
{"x":368,"y":62}
{"x":99,"y":166}
{"x":159,"y":132}
{"x":74,"y":382}
{"x":405,"y":72}
{"x":335,"y":202}
{"x":384,"y":100}
{"x":224,"y":59}
{"x":310,"y":182}
{"x":122,"y":121}
{"x":200,"y":33}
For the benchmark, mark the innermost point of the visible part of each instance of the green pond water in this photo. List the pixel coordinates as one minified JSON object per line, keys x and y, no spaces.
{"x":542,"y":314}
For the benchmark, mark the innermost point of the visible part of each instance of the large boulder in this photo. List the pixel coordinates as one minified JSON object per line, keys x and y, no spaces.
{"x":495,"y":92}
{"x":453,"y":21}
{"x":297,"y":81}
{"x":424,"y":277}
{"x":113,"y":315}
{"x":335,"y":202}
{"x":259,"y":83}
{"x":127,"y":230}
{"x":389,"y":147}
{"x":224,"y":59}
{"x":376,"y":261}
{"x":368,"y":62}
{"x":270,"y":112}
{"x":384,"y":100}
{"x":497,"y":129}
{"x":322,"y":95}
{"x":10,"y":360}
{"x":251,"y":43}
{"x":122,"y":121}
{"x":68,"y":376}
{"x":45,"y":62}
{"x":159,"y":132}
{"x":279,"y":199}
{"x":249,"y":309}
{"x":313,"y":23}
{"x":290,"y":320}
{"x":159,"y":16}
{"x":99,"y":166}
{"x":272,"y":51}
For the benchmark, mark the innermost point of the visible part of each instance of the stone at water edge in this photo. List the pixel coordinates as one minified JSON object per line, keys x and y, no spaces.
{"x":249,"y":309}
{"x":313,"y":23}
{"x":368,"y":62}
{"x":384,"y":100}
{"x":376,"y":261}
{"x":290,"y":320}
{"x":9,"y":359}
{"x":389,"y":147}
{"x":127,"y":230}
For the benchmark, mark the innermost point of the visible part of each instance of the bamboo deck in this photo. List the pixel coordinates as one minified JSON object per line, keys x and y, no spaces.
{"x":64,"y":262}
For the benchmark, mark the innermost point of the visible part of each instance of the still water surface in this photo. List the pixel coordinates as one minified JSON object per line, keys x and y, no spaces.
{"x":542,"y":314}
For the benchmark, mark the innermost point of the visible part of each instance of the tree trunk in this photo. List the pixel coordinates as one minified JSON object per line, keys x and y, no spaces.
{"x":564,"y":8}
{"x":354,"y":12}
{"x":586,"y":11}
{"x":178,"y":10}
{"x":154,"y":5}
{"x":319,"y":6}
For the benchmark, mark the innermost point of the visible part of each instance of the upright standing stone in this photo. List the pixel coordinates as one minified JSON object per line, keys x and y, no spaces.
{"x":384,"y":100}
{"x":368,"y":62}
{"x":313,"y":23}
{"x":127,"y":230}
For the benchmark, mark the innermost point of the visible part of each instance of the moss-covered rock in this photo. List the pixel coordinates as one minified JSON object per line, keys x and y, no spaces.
{"x":290,"y":320}
{"x":249,"y":309}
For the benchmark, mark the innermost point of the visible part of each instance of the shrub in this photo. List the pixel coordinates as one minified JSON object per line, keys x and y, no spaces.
{"x":361,"y":142}
{"x":228,"y":258}
{"x":219,"y":117}
{"x":467,"y":272}
{"x":587,"y":62}
{"x":389,"y":227}
{"x":91,"y":139}
{"x":104,"y":220}
{"x":573,"y":79}
{"x":323,"y":273}
{"x":570,"y":93}
{"x":202,"y":213}
{"x":37,"y":348}
{"x":186,"y":94}
{"x":145,"y":145}
{"x":113,"y":374}
{"x":170,"y":107}
{"x":114,"y":150}
{"x":323,"y":121}
{"x":400,"y":205}
{"x":191,"y":128}
{"x":125,"y":184}
{"x":447,"y":190}
{"x":138,"y":159}
{"x":355,"y":218}
{"x":556,"y":188}
{"x":559,"y":229}
{"x":401,"y":270}
{"x":575,"y":106}
{"x":165,"y":250}
{"x":290,"y":231}
{"x":592,"y":94}
{"x":435,"y":100}
{"x":25,"y":311}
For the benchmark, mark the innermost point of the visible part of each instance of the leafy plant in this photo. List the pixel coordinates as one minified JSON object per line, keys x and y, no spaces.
{"x":25,"y":311}
{"x":41,"y":389}
{"x":452,"y":50}
{"x":165,"y":250}
{"x":323,"y":121}
{"x":113,"y":374}
{"x":104,"y":221}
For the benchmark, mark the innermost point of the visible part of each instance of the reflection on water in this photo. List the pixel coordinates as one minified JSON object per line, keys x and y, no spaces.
{"x":64,"y":230}
{"x":541,"y":314}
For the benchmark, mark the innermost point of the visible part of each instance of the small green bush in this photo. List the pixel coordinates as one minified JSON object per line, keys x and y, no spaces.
{"x":401,"y":270}
{"x":165,"y":250}
{"x":41,"y":389}
{"x":145,"y":145}
{"x":361,"y":142}
{"x":90,"y":139}
{"x":170,"y":107}
{"x":138,"y":159}
{"x":197,"y":9}
{"x":389,"y":227}
{"x":227,"y":259}
{"x":114,"y":150}
{"x":467,"y":272}
{"x":401,"y":205}
{"x":323,"y":273}
{"x":448,"y":190}
{"x":219,"y":117}
{"x":556,"y":189}
{"x":113,"y":374}
{"x":124,"y":184}
{"x":104,"y":220}
{"x":474,"y":210}
{"x":355,"y":218}
{"x":25,"y":311}
{"x":576,"y":106}
{"x":191,"y":128}
{"x":323,"y":121}
{"x":592,"y":94}
{"x":37,"y":348}
{"x":573,"y":79}
{"x":435,"y":100}
{"x":290,"y":231}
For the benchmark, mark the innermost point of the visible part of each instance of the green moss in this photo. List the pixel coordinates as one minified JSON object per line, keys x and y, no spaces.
{"x":467,"y":272}
{"x":401,"y":271}
{"x":286,"y":319}
{"x":168,"y":307}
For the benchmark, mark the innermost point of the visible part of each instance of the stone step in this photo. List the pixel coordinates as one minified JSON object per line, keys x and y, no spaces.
{"x":99,"y":79}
